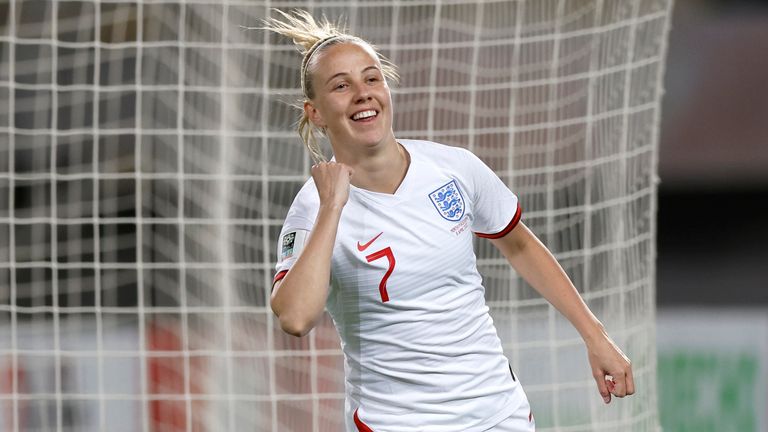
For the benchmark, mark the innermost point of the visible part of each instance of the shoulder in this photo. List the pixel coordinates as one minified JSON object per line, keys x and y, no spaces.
{"x":303,"y":210}
{"x":440,"y":154}
{"x":460,"y":161}
{"x":471,"y":173}
{"x":307,"y":191}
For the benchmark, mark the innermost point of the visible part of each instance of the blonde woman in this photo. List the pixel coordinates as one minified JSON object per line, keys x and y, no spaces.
{"x":381,"y":237}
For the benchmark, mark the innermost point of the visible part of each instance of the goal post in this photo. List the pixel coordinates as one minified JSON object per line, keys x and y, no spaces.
{"x":148,"y":157}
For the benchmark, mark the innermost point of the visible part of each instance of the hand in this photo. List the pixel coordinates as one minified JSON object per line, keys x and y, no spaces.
{"x":611,"y":369}
{"x":332,"y":182}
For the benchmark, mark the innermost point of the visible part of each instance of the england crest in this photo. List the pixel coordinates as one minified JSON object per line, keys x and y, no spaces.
{"x":448,"y":201}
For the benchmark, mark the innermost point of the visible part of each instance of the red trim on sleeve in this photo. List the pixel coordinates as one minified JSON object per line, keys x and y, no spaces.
{"x":512,"y":224}
{"x":278,"y":277}
{"x":361,"y":427}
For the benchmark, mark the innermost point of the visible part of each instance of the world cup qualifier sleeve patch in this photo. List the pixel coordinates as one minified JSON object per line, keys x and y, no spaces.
{"x":289,"y":241}
{"x":291,"y":244}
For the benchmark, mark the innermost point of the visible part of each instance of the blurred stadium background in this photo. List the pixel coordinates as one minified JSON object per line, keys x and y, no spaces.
{"x":711,"y":273}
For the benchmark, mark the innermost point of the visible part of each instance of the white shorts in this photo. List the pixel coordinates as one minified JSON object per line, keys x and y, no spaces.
{"x":520,"y":421}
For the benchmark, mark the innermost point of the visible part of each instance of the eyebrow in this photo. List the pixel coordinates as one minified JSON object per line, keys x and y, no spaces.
{"x":345,"y":73}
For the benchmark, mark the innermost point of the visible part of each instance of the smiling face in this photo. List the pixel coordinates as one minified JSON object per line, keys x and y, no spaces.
{"x":350,"y":99}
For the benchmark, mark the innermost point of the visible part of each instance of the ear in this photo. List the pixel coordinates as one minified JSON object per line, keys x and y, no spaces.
{"x":314,"y":115}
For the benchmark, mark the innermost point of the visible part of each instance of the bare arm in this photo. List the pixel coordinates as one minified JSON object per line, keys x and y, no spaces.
{"x":299,"y":298}
{"x":533,"y":261}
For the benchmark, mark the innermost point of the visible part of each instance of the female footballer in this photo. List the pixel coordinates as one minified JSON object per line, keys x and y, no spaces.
{"x":381,"y":237}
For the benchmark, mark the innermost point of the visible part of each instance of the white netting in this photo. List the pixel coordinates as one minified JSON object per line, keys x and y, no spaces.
{"x":147,"y":158}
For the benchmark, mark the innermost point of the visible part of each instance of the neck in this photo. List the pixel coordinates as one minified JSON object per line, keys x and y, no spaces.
{"x":381,"y":170}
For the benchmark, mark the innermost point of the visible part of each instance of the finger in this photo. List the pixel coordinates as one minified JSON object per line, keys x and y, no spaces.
{"x":602,"y":387}
{"x":619,"y":385}
{"x":343,"y":165}
{"x":630,"y":383}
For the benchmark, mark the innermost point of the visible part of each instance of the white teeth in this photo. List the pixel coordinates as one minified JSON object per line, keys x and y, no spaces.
{"x":364,"y":114}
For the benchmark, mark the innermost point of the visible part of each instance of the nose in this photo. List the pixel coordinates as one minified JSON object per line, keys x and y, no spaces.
{"x":362,"y":93}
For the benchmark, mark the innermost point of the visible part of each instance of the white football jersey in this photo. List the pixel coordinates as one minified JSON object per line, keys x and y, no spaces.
{"x":421,"y":352}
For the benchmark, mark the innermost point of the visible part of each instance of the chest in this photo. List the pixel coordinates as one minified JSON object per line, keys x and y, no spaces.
{"x":403,"y":248}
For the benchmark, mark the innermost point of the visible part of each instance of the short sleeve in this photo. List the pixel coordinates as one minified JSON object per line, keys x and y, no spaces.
{"x":296,"y":228}
{"x":289,"y":247}
{"x":496,"y":209}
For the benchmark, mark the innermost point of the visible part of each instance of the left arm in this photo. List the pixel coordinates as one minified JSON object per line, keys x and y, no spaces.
{"x":533,"y":261}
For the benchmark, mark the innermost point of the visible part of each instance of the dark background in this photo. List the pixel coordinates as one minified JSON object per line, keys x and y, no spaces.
{"x":713,"y":196}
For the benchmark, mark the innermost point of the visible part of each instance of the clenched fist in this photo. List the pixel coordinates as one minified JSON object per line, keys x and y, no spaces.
{"x":611,"y":369}
{"x":332,"y":182}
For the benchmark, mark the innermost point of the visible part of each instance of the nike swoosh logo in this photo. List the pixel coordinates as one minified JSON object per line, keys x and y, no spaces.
{"x":365,"y":246}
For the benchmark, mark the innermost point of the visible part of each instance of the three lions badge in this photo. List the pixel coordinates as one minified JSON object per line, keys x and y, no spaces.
{"x":448,"y":201}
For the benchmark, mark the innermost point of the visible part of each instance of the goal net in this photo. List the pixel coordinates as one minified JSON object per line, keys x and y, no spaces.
{"x":148,"y":158}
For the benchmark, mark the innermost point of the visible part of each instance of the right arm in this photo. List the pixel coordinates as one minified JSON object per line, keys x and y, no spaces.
{"x":298,"y":299}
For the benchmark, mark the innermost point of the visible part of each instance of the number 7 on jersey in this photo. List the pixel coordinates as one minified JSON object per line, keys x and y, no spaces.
{"x":386,"y":252}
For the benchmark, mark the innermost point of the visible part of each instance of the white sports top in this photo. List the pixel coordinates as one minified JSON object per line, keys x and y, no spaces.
{"x":421,"y":352}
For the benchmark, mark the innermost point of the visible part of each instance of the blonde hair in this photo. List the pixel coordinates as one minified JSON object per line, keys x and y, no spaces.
{"x":312,"y":37}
